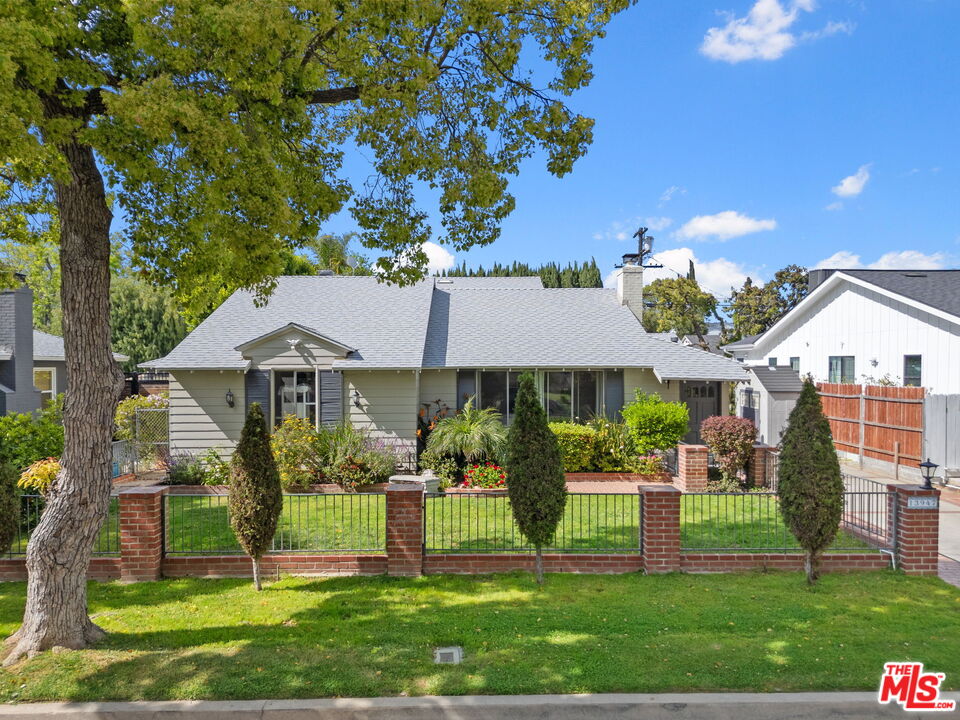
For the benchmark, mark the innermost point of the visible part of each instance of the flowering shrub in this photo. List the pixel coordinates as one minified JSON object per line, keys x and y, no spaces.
{"x":614,"y":449}
{"x":648,"y":464}
{"x":40,"y":475}
{"x":488,"y":475}
{"x":294,"y":444}
{"x":730,"y":439}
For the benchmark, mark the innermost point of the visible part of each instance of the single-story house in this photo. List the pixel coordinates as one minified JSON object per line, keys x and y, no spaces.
{"x":33,"y":369}
{"x":330,"y":348}
{"x":767,"y":399}
{"x":868,"y":326}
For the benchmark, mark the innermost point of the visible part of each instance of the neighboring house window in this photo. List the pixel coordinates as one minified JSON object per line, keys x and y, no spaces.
{"x":295,"y":393}
{"x":912,"y":367}
{"x":841,"y":369}
{"x":772,"y":362}
{"x":45,"y":380}
{"x":795,"y":364}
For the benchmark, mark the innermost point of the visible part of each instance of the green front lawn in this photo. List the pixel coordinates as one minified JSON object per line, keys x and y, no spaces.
{"x":375,"y":636}
{"x":591,"y":522}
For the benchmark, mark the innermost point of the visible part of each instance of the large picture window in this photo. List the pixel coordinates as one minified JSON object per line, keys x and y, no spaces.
{"x":295,"y":393}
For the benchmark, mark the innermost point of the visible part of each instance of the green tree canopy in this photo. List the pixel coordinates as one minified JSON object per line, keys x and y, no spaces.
{"x":677,"y":304}
{"x":755,"y":308}
{"x":221,"y":129}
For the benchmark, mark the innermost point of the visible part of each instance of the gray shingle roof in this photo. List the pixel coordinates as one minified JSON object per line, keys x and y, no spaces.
{"x":744,"y":343}
{"x":50,"y":347}
{"x":778,"y":379}
{"x":485,"y":322}
{"x":937,"y":288}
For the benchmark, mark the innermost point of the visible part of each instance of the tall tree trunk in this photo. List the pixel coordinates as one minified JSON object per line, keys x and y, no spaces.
{"x":538,"y":565}
{"x":256,"y":573}
{"x":61,"y":546}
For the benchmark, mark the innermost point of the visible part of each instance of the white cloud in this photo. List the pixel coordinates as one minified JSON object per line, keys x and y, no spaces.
{"x":667,"y":195}
{"x":656,"y":224}
{"x":764,"y":34}
{"x":895,"y":260}
{"x":834,"y":206}
{"x":853,"y":185}
{"x":761,"y":35}
{"x":831,"y":28}
{"x":715,"y":276}
{"x":438,"y":257}
{"x":722,"y":226}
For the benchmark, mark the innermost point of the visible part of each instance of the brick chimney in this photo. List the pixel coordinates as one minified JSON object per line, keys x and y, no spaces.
{"x":630,"y":285}
{"x":16,"y":337}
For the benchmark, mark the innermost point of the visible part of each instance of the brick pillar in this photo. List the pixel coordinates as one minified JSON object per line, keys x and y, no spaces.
{"x":405,"y":529}
{"x":141,"y":533}
{"x":692,"y":468}
{"x":661,"y":528}
{"x":917,"y":529}
{"x":757,"y":467}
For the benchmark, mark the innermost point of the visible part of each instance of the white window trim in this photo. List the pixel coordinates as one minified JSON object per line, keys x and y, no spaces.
{"x":53,"y":381}
{"x":273,"y":392}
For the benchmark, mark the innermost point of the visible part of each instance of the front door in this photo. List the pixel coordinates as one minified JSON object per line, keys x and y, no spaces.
{"x":702,"y":400}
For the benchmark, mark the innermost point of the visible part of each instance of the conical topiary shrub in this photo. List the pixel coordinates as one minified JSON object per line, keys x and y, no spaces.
{"x":809,"y":482}
{"x":255,"y":495}
{"x":535,"y":480}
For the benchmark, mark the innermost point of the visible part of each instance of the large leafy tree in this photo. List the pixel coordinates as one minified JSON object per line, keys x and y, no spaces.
{"x":32,"y":248}
{"x":221,"y":129}
{"x":677,"y":304}
{"x":755,"y":308}
{"x":144,"y":320}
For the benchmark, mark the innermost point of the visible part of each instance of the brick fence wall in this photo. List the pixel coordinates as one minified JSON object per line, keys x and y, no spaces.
{"x":142,"y":529}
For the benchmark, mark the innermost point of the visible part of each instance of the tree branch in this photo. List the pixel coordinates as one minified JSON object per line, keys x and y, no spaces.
{"x":333,"y":96}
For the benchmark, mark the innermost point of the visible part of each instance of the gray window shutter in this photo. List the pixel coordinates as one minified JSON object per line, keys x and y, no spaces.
{"x":257,"y":389}
{"x":613,"y":393}
{"x":331,"y":397}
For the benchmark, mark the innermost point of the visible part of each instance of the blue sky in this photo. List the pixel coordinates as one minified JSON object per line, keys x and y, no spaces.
{"x":751,"y":135}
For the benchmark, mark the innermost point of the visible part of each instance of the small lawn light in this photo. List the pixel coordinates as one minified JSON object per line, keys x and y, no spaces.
{"x":229,"y":398}
{"x":928,"y":469}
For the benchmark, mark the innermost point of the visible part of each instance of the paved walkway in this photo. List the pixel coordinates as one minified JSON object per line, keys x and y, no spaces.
{"x":685,"y":706}
{"x":949,"y":515}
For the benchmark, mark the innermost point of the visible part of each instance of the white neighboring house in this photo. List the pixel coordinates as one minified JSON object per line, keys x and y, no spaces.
{"x":869,"y":326}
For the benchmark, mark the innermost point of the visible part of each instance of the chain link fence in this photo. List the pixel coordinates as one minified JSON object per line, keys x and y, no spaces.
{"x":151,"y":438}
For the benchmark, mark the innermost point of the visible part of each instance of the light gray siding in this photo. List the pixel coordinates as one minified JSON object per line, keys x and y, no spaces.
{"x":275,"y":352}
{"x":388,"y":405}
{"x":200,"y":418}
{"x":438,"y":385}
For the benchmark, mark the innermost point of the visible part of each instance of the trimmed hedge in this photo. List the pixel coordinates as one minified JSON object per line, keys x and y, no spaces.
{"x":576,"y":445}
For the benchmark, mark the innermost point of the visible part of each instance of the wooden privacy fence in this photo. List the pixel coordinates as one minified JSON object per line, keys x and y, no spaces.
{"x":876,"y":421}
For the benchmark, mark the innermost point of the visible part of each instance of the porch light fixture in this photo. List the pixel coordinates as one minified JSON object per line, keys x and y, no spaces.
{"x":230,"y":398}
{"x":928,"y":470}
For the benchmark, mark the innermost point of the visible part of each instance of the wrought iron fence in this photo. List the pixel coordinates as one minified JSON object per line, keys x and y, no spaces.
{"x":670,"y":461}
{"x":124,"y":458}
{"x":854,"y":483}
{"x":752,"y":522}
{"x":31,"y":509}
{"x":483,"y":522}
{"x":325,"y":523}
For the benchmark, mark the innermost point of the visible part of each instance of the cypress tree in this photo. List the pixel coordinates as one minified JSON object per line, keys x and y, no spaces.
{"x":9,"y":506}
{"x":810,"y":486}
{"x":535,"y":480}
{"x":255,"y":495}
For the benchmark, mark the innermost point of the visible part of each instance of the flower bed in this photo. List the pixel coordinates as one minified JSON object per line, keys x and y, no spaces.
{"x":660,"y":477}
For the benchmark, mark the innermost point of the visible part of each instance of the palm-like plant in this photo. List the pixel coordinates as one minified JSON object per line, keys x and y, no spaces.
{"x":472,"y":434}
